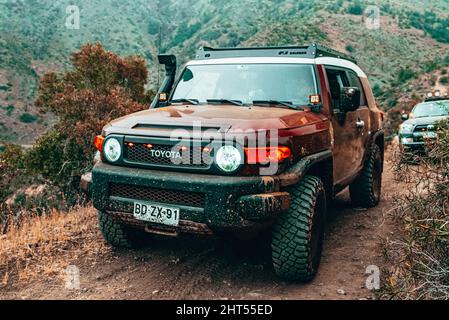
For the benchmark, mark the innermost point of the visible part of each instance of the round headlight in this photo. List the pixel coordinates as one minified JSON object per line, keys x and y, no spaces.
{"x":228,"y":158}
{"x":112,"y":150}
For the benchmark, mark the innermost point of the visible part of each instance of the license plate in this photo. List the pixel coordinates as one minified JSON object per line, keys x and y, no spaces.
{"x":155,"y":213}
{"x":429,"y":135}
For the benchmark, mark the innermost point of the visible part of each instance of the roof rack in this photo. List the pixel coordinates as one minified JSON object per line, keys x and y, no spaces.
{"x":436,"y":99}
{"x":308,"y":51}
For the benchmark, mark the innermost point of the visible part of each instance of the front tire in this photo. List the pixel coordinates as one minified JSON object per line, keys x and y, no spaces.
{"x":297,"y":237}
{"x":118,"y":234}
{"x":366,"y":190}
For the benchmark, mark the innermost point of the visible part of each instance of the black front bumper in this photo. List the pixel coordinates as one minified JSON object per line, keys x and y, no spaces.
{"x":413,"y":147}
{"x":228,"y":203}
{"x":414,"y":142}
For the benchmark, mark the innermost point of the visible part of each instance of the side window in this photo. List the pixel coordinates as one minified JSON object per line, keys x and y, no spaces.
{"x":337,"y":80}
{"x":354,"y":81}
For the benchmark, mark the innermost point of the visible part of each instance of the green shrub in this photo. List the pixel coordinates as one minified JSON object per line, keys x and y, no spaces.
{"x":9,"y":109}
{"x":430,"y":66}
{"x":22,"y":190}
{"x":356,"y":8}
{"x":377,"y":90}
{"x":431,"y":23}
{"x":211,"y":35}
{"x":444,"y":80}
{"x":405,"y":75}
{"x":185,"y":31}
{"x":154,"y":26}
{"x":392,"y":103}
{"x":5,"y":87}
{"x":11,"y":163}
{"x":27,"y":117}
{"x":51,"y":158}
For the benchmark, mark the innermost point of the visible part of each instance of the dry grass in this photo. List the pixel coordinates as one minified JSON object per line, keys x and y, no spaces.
{"x":43,"y":246}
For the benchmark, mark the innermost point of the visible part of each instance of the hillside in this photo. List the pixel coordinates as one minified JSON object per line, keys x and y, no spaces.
{"x":411,"y":44}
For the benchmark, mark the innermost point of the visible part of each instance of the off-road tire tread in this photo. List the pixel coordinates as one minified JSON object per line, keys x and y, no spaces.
{"x":290,"y":237}
{"x":361,"y":190}
{"x":117,"y":234}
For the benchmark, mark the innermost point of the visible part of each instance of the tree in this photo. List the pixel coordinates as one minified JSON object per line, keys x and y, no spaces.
{"x":101,"y":87}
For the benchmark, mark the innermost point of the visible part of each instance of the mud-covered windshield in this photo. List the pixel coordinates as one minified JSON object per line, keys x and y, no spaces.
{"x":431,"y":109}
{"x":246,"y":83}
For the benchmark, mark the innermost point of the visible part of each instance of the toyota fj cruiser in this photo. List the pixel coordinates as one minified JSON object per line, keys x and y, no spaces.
{"x":244,"y":139}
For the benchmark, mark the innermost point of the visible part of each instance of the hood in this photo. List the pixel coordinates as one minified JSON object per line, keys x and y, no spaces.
{"x":223,"y":118}
{"x":425,"y":120}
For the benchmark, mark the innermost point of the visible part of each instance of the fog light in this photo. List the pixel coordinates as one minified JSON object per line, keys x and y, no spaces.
{"x":407,"y":140}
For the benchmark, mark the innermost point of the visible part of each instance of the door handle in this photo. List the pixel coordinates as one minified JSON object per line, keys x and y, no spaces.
{"x":360,"y":124}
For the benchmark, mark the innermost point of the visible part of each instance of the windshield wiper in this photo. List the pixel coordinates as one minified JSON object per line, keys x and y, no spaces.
{"x":273,"y":102}
{"x":191,"y":101}
{"x":235,"y":102}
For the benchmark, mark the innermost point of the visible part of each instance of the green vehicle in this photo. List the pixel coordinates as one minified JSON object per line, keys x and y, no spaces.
{"x":419,"y":126}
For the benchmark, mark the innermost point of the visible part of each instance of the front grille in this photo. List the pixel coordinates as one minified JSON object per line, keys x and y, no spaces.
{"x":421,"y":128}
{"x":423,"y":133}
{"x":190,"y":199}
{"x":157,"y":155}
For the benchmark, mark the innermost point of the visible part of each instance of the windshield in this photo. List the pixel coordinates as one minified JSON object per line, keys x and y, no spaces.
{"x":247,"y":83}
{"x":431,"y":109}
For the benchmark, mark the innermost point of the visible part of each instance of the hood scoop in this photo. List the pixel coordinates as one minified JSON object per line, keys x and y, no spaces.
{"x":187,"y":127}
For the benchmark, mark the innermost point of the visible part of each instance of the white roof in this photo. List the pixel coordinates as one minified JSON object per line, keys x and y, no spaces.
{"x":335,"y":62}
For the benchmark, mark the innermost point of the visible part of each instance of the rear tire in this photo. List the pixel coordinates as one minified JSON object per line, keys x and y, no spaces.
{"x":297,"y":237}
{"x":118,"y":234}
{"x":366,"y":190}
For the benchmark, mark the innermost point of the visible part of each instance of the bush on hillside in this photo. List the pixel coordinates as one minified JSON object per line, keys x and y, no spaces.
{"x":154,"y":26}
{"x":444,"y":80}
{"x":11,"y":164}
{"x":100,"y":88}
{"x":431,"y":23}
{"x":27,"y":117}
{"x":404,"y":75}
{"x":356,"y":8}
{"x":349,"y":48}
{"x":11,"y":160}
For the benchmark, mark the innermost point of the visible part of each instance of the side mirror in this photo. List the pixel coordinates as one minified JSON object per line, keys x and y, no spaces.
{"x":404,"y":116}
{"x":349,"y":99}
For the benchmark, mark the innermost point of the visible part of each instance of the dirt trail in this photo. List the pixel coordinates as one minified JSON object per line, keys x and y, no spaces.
{"x":231,"y":269}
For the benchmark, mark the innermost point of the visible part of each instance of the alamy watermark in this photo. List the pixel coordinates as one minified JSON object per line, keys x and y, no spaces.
{"x":199,"y":145}
{"x":372,"y":17}
{"x":72,"y":278}
{"x":72,"y":20}
{"x":373,"y":280}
